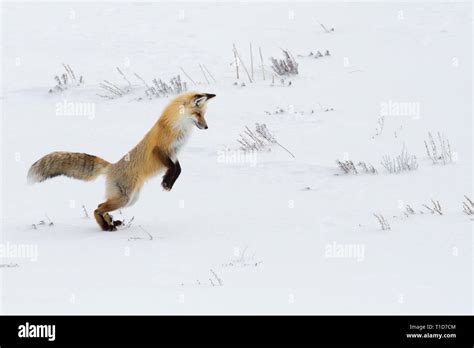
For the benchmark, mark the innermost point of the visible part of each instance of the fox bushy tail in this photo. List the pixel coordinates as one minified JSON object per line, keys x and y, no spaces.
{"x":72,"y":164}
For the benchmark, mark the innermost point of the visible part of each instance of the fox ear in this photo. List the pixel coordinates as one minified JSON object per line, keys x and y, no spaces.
{"x":199,"y":100}
{"x":202,"y":98}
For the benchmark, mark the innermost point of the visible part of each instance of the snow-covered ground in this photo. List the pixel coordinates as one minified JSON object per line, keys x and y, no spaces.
{"x":267,"y":233}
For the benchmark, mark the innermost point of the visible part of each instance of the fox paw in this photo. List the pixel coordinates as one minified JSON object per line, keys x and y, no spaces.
{"x":166,"y":185}
{"x":110,"y":228}
{"x":111,"y":223}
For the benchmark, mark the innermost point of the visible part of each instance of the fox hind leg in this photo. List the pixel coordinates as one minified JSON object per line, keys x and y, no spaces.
{"x":102,"y":216}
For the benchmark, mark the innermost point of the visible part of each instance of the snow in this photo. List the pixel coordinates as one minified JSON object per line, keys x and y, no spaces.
{"x":282,"y":234}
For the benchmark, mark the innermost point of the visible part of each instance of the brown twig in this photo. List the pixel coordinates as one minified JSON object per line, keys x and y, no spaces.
{"x":189,"y":77}
{"x":204,"y":74}
{"x":243,"y":64}
{"x":261,"y":61}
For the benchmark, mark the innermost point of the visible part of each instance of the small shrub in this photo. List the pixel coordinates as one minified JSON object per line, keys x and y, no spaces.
{"x":259,"y":139}
{"x":317,"y":55}
{"x":441,"y":154}
{"x":368,"y":168}
{"x":113,"y":90}
{"x":468,"y":206}
{"x":348,"y":167}
{"x":159,"y":88}
{"x":409,"y":211}
{"x":383,"y":222}
{"x":436,"y":209}
{"x":286,"y":66}
{"x":403,"y":162}
{"x":66,"y":80}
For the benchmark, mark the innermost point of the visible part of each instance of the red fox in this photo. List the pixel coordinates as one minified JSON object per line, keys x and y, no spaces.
{"x":155,"y":153}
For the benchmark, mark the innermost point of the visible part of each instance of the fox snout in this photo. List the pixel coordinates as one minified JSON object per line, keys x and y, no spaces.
{"x":199,"y":120}
{"x":202,"y":124}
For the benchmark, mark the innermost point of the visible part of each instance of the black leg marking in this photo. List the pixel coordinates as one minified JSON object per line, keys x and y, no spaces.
{"x":174,"y":169}
{"x":176,"y":173}
{"x":171,"y":175}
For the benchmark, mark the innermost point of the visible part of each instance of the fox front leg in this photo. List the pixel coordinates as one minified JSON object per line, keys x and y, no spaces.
{"x":171,"y":175}
{"x":173,"y":169}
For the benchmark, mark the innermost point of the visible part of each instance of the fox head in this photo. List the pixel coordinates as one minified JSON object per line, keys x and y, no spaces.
{"x":194,"y":106}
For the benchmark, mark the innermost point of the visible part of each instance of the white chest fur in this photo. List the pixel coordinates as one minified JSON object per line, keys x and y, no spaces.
{"x":185,"y":129}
